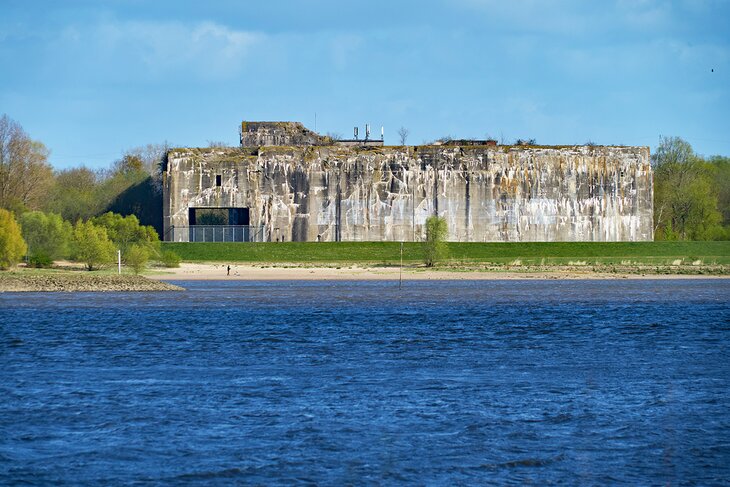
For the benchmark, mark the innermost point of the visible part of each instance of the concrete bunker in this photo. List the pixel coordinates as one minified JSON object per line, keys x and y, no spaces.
{"x":286,"y":182}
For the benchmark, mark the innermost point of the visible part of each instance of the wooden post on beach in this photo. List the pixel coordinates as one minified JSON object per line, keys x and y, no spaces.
{"x":119,"y":261}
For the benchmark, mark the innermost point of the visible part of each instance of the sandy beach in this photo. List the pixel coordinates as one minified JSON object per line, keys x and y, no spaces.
{"x":196,"y":271}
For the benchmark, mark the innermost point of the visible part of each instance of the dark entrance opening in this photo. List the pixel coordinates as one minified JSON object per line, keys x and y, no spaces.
{"x":218,"y":216}
{"x":238,"y":216}
{"x":220,"y":225}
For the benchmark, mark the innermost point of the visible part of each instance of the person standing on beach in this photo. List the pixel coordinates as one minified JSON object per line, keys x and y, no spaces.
{"x":229,"y":271}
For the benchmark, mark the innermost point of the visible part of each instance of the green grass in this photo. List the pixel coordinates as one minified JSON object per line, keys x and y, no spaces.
{"x":295,"y":252}
{"x":527,"y":253}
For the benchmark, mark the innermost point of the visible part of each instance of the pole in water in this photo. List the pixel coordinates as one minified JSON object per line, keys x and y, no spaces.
{"x":400,"y":283}
{"x":119,"y":261}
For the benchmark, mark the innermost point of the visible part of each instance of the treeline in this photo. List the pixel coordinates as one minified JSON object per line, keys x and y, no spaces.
{"x":48,"y":215}
{"x":691,"y":193}
{"x":43,"y":238}
{"x":131,"y":185}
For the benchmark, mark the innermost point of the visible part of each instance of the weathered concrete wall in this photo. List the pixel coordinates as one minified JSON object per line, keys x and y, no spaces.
{"x":258,"y":134}
{"x":574,"y":193}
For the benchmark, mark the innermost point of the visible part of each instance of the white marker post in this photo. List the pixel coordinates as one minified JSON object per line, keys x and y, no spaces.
{"x":119,"y":261}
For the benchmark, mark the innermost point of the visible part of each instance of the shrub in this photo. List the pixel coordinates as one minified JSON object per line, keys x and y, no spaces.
{"x":126,"y":231}
{"x":170,"y":259}
{"x":12,"y":245}
{"x":40,"y":259}
{"x":47,"y":236}
{"x":434,"y":248}
{"x":137,"y":257}
{"x":91,"y":245}
{"x":718,"y":232}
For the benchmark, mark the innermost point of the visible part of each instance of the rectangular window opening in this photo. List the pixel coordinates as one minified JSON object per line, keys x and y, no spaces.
{"x":217,"y":179}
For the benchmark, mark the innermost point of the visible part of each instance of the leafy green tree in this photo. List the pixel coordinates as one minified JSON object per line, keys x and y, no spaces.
{"x":12,"y":245}
{"x":137,"y":257}
{"x":123,"y":175}
{"x":129,"y":163}
{"x":720,"y":172}
{"x":434,"y":247}
{"x":47,"y":235}
{"x":685,"y":201}
{"x":126,"y":231}
{"x":146,"y":158}
{"x":75,"y":194}
{"x":91,"y":245}
{"x":82,"y":193}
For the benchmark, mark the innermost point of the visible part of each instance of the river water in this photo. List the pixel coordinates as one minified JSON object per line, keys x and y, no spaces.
{"x":332,"y":383}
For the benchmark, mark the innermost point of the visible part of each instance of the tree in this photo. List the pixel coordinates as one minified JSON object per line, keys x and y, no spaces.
{"x":685,"y":202}
{"x":137,"y":257}
{"x":126,"y":231}
{"x":12,"y":245}
{"x":133,"y":184}
{"x":403,"y":133}
{"x":75,"y":194}
{"x":91,"y":245}
{"x":719,"y":167}
{"x":113,"y":183}
{"x":334,"y":136}
{"x":25,"y":175}
{"x":147,"y":159}
{"x":48,"y":237}
{"x":525,"y":142}
{"x":217,"y":144}
{"x":129,"y":163}
{"x":434,"y":248}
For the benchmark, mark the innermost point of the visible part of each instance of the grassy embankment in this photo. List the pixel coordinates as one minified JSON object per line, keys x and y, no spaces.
{"x":463,"y":254}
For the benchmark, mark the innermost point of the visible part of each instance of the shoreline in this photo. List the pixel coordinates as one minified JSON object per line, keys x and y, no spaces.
{"x":79,"y":281}
{"x":64,"y":279}
{"x":284,"y":272}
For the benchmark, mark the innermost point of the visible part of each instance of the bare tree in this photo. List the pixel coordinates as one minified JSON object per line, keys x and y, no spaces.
{"x":525,"y":142}
{"x":25,"y":175}
{"x":217,"y":144}
{"x":403,"y":134}
{"x":334,"y":136}
{"x":151,"y":158}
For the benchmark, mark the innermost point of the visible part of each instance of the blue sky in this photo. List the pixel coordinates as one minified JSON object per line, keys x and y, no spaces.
{"x":92,"y":79}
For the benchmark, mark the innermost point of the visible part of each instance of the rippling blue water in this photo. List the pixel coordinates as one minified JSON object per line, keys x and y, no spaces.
{"x":596,"y":382}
